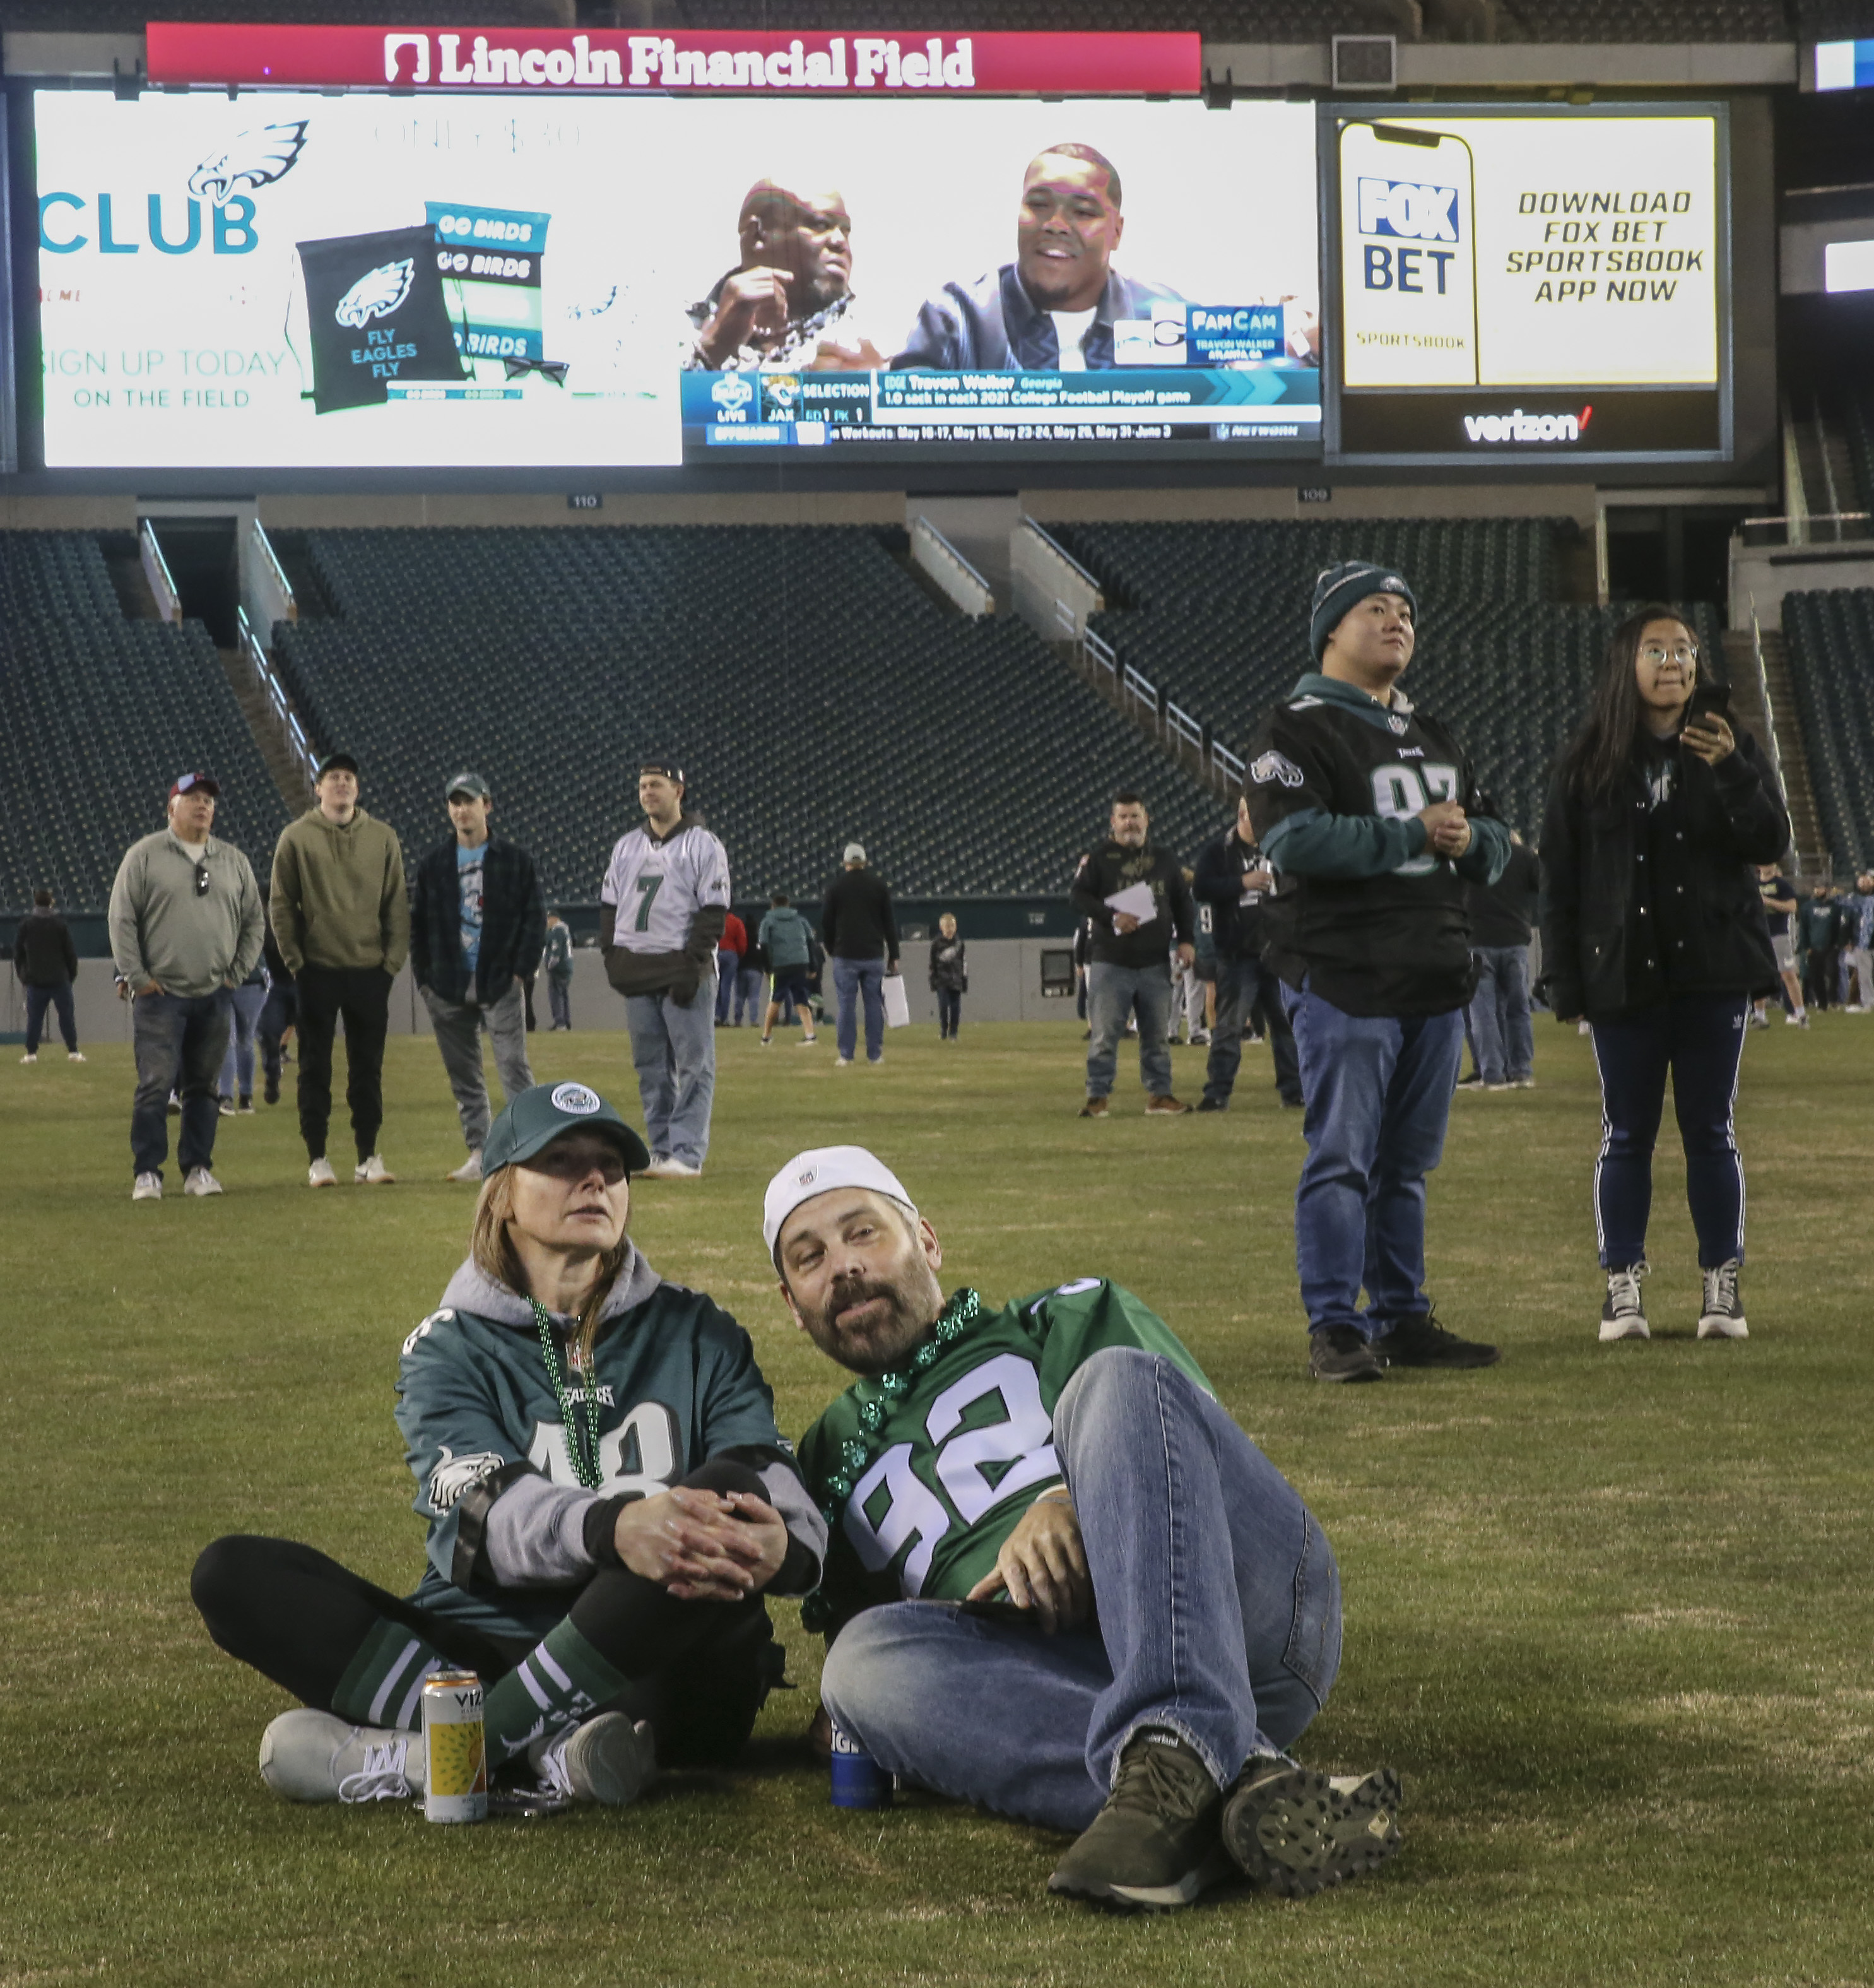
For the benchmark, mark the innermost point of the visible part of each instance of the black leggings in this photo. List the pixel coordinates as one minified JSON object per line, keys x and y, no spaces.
{"x":699,"y":1671}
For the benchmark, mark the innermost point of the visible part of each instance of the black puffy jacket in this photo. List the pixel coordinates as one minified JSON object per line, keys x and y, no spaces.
{"x":1637,"y":907}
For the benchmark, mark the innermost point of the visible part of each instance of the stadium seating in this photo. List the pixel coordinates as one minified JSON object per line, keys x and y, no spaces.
{"x":1831,"y":643}
{"x":1214,"y":615}
{"x":97,"y":715}
{"x":811,"y":689}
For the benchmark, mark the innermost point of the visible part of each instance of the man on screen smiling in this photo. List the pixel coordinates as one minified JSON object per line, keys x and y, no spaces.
{"x":1051,"y":310}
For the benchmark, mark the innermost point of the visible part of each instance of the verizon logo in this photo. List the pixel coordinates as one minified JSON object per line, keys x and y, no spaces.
{"x":1516,"y":426}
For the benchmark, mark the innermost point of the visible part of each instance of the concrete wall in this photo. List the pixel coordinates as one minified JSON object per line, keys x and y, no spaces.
{"x":1004,"y":986}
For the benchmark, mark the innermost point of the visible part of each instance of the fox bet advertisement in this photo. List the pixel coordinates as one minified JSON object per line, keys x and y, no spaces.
{"x":302,"y":279}
{"x":1526,"y":286}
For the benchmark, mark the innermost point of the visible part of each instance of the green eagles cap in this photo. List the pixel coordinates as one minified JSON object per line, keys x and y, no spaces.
{"x":538,"y":1116}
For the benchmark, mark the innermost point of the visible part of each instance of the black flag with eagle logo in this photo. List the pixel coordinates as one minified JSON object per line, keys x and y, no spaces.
{"x":375,"y":306}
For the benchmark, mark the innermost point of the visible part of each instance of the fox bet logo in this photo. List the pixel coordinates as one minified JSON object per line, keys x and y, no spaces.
{"x":1408,"y":211}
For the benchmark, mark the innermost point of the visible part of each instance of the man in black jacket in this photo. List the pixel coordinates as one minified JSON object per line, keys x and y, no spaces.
{"x":859,"y":931}
{"x":477,"y":922}
{"x":1137,"y":906}
{"x":1502,"y":915}
{"x":1370,"y":815}
{"x":47,"y":964}
{"x":1234,"y":880}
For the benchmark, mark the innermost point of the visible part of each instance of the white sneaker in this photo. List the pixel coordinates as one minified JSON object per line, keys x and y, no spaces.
{"x":149,"y":1187}
{"x":75,"y":1055}
{"x":319,"y":1174}
{"x":33,"y":1058}
{"x":842,"y":1063}
{"x":227,"y":1108}
{"x":668,"y":1169}
{"x":1622,"y":1316}
{"x":1722,"y":1314}
{"x":200,"y":1180}
{"x":470,"y":1169}
{"x":316,"y":1756}
{"x":372,"y":1172}
{"x":607,"y":1759}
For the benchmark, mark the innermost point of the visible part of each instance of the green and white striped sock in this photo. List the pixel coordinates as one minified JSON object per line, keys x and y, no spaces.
{"x":559,"y":1682}
{"x":383,"y":1683}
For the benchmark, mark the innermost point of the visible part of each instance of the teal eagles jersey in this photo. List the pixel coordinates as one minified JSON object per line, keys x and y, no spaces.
{"x":922,"y":1473}
{"x":676,"y":1383}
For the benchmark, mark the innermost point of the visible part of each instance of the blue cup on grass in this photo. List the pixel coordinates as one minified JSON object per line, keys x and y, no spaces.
{"x":858,"y":1780}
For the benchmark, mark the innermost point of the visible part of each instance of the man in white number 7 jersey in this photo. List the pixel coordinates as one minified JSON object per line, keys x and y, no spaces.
{"x":662,"y":909}
{"x":1061,"y":1583}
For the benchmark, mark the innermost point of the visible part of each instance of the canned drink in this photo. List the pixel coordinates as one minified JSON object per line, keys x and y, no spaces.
{"x":858,"y":1780}
{"x":455,"y":1762}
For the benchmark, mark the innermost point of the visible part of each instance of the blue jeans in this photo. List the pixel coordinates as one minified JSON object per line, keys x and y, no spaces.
{"x":245,"y":1003}
{"x":1699,"y":1038}
{"x":559,"y":994}
{"x":58,"y":998}
{"x":949,"y":1010}
{"x":1111,"y":992}
{"x":674,"y":1051}
{"x":855,"y":980}
{"x":170,"y":1031}
{"x":1378,"y":1091}
{"x":1243,"y":986}
{"x":727,"y":966}
{"x":1219,"y":1617}
{"x":1502,"y":1041}
{"x":750,"y":996}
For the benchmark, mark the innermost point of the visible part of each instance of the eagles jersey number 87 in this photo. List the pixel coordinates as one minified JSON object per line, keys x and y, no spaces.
{"x":962,"y":1452}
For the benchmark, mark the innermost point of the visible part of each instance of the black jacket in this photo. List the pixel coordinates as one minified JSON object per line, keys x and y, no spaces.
{"x":949,"y":965}
{"x":1113,"y":868}
{"x":1502,"y":913}
{"x":1641,"y":900}
{"x":43,"y":954}
{"x":513,"y":922}
{"x":1236,"y":913}
{"x":856,"y":920}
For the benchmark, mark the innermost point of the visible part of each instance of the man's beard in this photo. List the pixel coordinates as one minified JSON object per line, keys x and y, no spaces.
{"x":873,"y":1348}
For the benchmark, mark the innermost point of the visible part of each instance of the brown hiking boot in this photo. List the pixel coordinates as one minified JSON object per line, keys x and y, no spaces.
{"x":1095,"y":1107}
{"x":1161,"y":1104}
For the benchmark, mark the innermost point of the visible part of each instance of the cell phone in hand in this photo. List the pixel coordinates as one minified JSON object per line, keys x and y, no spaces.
{"x":1710,"y":701}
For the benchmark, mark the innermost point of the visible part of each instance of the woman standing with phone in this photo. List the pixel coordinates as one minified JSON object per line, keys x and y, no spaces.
{"x":1653,"y":930}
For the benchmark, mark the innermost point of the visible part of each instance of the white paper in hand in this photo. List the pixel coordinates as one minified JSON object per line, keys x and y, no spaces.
{"x":897,"y":1004}
{"x":1136,"y":901}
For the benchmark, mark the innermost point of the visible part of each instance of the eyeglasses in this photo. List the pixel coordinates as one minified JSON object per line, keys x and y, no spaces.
{"x":571,"y":1163}
{"x":1656,"y":653}
{"x":201,"y":879}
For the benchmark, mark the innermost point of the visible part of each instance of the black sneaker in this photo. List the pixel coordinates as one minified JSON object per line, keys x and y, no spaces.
{"x":272,"y":1090}
{"x":1211,"y":1104}
{"x":1421,"y":1341}
{"x":1343,"y":1353}
{"x":1156,"y":1844}
{"x":1296,"y":1832}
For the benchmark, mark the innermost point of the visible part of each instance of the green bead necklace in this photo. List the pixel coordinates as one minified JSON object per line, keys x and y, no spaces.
{"x":581,"y":1433}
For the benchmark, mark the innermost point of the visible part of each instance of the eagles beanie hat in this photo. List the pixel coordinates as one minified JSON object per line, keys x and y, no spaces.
{"x":536,"y":1117}
{"x":821,"y":1170}
{"x":1344,"y":586}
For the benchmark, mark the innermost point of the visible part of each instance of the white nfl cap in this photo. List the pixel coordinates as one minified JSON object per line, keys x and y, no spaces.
{"x":821,"y":1170}
{"x":855,"y":853}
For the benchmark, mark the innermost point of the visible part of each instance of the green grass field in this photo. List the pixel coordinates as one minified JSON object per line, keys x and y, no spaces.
{"x":1608,"y":1609}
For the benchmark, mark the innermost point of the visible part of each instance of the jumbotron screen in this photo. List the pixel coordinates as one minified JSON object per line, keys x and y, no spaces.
{"x":1519,"y":285}
{"x":303,"y":280}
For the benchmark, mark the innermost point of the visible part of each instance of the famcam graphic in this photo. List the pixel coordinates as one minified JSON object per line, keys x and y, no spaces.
{"x":108,"y":221}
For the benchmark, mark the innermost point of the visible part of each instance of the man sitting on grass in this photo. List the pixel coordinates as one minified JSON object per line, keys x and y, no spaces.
{"x":992,"y":1479}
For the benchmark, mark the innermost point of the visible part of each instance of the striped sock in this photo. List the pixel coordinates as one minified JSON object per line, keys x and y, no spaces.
{"x":559,"y":1682}
{"x":382,"y":1683}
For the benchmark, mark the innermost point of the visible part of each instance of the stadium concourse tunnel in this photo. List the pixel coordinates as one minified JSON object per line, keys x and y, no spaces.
{"x":201,"y":557}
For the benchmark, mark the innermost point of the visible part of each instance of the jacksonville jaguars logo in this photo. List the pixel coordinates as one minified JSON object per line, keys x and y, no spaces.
{"x":376,"y":293}
{"x":576,"y":1100}
{"x":1275,"y":767}
{"x":252,"y":160}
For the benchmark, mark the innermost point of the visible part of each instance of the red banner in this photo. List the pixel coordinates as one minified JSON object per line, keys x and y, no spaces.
{"x":553,"y":61}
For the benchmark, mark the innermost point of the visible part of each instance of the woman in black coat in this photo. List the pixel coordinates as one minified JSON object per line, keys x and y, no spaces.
{"x":1653,"y":929}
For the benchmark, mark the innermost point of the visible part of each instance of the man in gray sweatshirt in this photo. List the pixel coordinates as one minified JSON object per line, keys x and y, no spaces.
{"x":186,"y":925}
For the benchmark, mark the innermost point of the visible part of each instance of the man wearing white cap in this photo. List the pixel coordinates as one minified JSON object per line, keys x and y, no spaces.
{"x":992,"y":1478}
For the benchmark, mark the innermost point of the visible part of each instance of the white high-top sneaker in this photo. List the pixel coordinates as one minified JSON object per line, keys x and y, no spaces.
{"x":316,"y":1756}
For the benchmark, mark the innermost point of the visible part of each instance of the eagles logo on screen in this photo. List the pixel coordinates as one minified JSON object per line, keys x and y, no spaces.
{"x":252,"y":160}
{"x":1275,"y":767}
{"x":376,"y":294}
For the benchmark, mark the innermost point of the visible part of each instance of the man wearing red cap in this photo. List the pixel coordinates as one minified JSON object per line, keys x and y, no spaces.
{"x":186,"y":925}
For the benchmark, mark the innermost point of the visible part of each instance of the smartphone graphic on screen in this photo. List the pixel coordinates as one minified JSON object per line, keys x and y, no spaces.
{"x":1408,"y":240}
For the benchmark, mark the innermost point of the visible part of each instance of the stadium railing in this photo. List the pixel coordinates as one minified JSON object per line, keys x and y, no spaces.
{"x":949,"y":572}
{"x":156,"y":570}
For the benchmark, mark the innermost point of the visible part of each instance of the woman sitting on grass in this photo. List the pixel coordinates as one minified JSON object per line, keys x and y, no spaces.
{"x":1653,"y":929}
{"x":608,"y":1502}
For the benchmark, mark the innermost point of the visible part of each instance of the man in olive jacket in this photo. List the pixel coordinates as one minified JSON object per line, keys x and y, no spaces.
{"x":341,"y":916}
